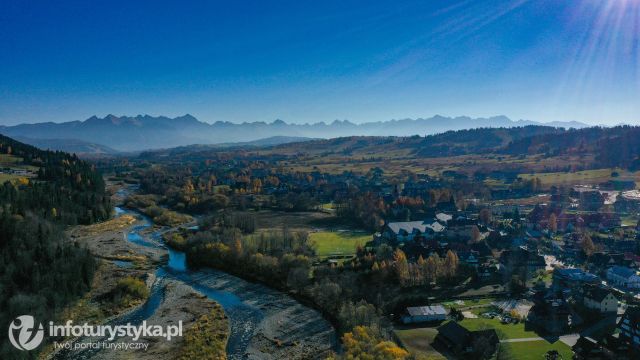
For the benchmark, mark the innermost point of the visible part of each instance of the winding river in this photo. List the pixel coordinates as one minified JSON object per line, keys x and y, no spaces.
{"x":243,"y":302}
{"x":243,"y":318}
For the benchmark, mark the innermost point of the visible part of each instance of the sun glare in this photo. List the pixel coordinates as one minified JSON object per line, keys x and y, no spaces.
{"x":609,"y":42}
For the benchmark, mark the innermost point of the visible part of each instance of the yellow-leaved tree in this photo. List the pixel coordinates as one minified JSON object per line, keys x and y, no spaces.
{"x":363,"y":343}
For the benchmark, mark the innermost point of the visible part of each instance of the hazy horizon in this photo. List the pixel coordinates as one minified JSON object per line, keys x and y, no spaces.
{"x":328,"y":122}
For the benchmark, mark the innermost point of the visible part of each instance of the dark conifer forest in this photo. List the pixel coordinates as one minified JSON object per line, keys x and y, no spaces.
{"x":40,"y":270}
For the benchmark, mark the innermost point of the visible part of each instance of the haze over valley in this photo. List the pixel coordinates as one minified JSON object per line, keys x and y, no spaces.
{"x":122,"y":133}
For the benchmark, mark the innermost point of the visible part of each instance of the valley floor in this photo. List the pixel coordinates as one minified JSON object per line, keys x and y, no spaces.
{"x":256,"y":323}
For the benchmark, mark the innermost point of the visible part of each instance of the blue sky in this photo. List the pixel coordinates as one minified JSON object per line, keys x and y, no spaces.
{"x":309,"y":61}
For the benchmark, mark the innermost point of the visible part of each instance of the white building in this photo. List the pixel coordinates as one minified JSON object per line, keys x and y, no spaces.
{"x":424,"y":313}
{"x":600,"y":299}
{"x":409,"y":230}
{"x":623,"y":277}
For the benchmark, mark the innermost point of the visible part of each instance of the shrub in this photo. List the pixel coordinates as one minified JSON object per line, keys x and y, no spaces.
{"x":207,"y":339}
{"x":130,"y":288}
{"x":176,"y":241}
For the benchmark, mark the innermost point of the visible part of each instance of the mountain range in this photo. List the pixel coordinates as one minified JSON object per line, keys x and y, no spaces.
{"x":124,"y":133}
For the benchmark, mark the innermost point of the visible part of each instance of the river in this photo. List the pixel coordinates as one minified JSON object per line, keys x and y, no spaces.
{"x":245,"y":304}
{"x":243,"y":318}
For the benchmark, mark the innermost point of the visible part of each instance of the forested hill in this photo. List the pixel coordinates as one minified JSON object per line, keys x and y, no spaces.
{"x":474,"y":141}
{"x":610,"y":147}
{"x":450,"y":143}
{"x":40,"y":272}
{"x":607,"y":147}
{"x":62,"y":179}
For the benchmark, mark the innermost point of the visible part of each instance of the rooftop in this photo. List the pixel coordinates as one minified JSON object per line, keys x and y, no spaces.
{"x":596,"y":293}
{"x":426,"y":310}
{"x":575,"y":274}
{"x":622,"y":271}
{"x":411,"y":226}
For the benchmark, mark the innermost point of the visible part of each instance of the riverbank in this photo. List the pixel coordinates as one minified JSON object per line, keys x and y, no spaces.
{"x":279,"y":327}
{"x":263,"y":323}
{"x":119,"y":257}
{"x":179,"y":302}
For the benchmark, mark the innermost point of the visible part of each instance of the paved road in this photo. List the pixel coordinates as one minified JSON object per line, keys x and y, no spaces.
{"x":522,"y":340}
{"x":570,"y":339}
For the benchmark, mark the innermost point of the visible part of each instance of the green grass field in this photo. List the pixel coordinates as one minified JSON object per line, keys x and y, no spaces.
{"x":9,"y":177}
{"x":338,"y":242}
{"x":418,"y":342}
{"x":505,"y":331}
{"x":327,"y":207}
{"x":8,"y":160}
{"x":629,"y":220}
{"x":579,"y":177}
{"x":13,"y":162}
{"x":533,"y":350}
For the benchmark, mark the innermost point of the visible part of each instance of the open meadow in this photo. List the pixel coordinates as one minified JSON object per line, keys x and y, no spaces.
{"x":516,"y":343}
{"x":338,"y":243}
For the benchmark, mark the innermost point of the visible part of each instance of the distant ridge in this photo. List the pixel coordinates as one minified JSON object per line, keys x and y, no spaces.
{"x":124,"y":133}
{"x":72,"y":146}
{"x":270,"y":141}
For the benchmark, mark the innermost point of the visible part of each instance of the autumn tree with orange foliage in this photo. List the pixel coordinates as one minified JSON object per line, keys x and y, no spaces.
{"x":364,"y":343}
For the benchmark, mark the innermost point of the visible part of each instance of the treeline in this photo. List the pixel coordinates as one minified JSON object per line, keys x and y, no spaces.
{"x":367,"y":210}
{"x":147,"y":205}
{"x":40,"y":272}
{"x":386,"y":268}
{"x":284,"y":260}
{"x":370,"y":211}
{"x":352,"y":293}
{"x":613,"y":147}
{"x":219,"y":188}
{"x":477,"y":141}
{"x":564,"y":142}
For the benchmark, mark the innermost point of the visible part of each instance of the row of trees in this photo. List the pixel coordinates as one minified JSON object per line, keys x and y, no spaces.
{"x":284,"y":260}
{"x":422,"y":272}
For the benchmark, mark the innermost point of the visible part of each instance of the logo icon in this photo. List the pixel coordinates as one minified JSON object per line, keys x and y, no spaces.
{"x":28,"y":336}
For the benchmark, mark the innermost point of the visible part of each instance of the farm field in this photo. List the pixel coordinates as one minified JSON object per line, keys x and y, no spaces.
{"x":341,"y":242}
{"x":9,"y":177}
{"x":295,"y":220}
{"x":581,"y":177}
{"x":9,"y":160}
{"x":418,"y":342}
{"x":505,"y":331}
{"x":14,"y":163}
{"x":629,"y":220}
{"x":533,"y":350}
